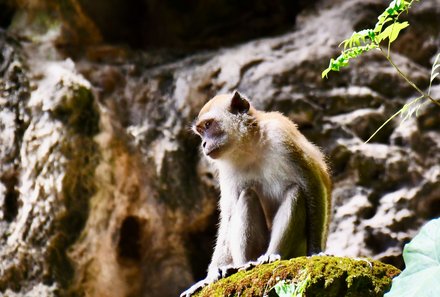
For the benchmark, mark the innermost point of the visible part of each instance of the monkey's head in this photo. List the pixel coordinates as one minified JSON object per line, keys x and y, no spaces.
{"x":225,"y":124}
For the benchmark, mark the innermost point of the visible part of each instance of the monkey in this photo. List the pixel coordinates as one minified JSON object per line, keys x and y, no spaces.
{"x":275,"y":187}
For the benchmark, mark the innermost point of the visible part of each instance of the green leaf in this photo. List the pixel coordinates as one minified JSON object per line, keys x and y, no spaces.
{"x":392,"y":31}
{"x":383,"y":19}
{"x":435,"y":72}
{"x":343,"y":59}
{"x":396,"y":7}
{"x":358,"y":39}
{"x":325,"y":72}
{"x":422,"y":259}
{"x":435,"y":68}
{"x":285,"y":289}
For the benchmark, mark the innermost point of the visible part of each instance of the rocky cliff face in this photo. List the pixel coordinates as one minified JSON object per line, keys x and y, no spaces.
{"x":102,"y":187}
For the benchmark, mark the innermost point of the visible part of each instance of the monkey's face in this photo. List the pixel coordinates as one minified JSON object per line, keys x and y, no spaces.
{"x":223,"y":124}
{"x":214,"y":138}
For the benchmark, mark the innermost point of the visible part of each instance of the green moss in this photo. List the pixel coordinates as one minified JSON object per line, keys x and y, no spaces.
{"x":327,"y":276}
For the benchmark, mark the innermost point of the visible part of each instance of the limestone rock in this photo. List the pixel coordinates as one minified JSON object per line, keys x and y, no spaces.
{"x":102,"y":187}
{"x":47,"y":164}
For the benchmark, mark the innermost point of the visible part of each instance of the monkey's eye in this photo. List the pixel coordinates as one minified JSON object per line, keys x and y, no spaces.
{"x":203,"y":126}
{"x":207,"y":124}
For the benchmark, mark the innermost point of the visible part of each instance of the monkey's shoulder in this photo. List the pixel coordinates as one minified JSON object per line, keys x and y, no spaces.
{"x":276,"y":120}
{"x":286,"y":139}
{"x":280,"y":130}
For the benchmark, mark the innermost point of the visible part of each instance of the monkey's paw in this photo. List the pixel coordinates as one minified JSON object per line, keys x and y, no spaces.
{"x":268,"y":258}
{"x":213,"y":275}
{"x":228,"y":270}
{"x":196,"y":287}
{"x":261,"y":260}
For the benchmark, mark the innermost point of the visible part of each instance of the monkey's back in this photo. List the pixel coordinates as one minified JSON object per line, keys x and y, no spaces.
{"x":311,"y":173}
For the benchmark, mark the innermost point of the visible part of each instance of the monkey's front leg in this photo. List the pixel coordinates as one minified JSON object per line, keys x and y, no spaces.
{"x":243,"y":234}
{"x":288,"y":237}
{"x":289,"y":231}
{"x":249,"y":235}
{"x":242,"y":237}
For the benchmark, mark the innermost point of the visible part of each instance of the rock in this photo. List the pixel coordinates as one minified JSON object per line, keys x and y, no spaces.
{"x":103,"y":190}
{"x":146,"y":24}
{"x":47,"y":169}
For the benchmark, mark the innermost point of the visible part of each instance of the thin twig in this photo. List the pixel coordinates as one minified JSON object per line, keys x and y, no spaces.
{"x":383,"y":125}
{"x":392,"y":29}
{"x":403,"y":109}
{"x":408,"y":80}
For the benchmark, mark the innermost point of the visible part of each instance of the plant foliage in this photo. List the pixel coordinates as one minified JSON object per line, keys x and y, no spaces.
{"x":387,"y":27}
{"x":422,"y":259}
{"x":285,"y":289}
{"x":290,"y":289}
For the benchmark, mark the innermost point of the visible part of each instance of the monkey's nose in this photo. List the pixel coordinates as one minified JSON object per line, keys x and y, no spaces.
{"x":204,"y":144}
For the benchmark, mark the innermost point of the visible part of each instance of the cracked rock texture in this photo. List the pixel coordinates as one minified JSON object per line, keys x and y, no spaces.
{"x":103,"y":191}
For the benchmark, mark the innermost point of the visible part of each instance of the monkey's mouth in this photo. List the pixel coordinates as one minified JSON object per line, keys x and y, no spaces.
{"x":212,"y":151}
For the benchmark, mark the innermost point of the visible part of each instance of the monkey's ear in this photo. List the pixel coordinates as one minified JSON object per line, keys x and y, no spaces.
{"x":239,"y":104}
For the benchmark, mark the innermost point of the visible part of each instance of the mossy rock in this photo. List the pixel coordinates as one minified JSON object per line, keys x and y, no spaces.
{"x":318,"y":275}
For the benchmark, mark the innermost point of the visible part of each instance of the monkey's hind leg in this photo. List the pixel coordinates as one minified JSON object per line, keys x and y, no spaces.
{"x":249,"y":235}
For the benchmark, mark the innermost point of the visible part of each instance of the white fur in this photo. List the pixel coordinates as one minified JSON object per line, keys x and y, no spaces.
{"x":266,"y":164}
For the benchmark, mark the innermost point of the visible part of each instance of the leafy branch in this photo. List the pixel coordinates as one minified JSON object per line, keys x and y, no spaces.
{"x":364,"y":41}
{"x":388,"y":28}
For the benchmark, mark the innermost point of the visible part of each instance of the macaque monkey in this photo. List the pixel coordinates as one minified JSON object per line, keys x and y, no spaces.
{"x":275,"y":187}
